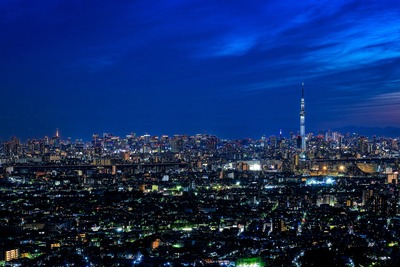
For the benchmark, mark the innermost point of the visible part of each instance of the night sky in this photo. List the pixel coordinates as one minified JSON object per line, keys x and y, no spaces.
{"x":229,"y":68}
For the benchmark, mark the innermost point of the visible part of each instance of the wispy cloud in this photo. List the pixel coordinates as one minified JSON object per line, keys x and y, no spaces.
{"x":232,"y":46}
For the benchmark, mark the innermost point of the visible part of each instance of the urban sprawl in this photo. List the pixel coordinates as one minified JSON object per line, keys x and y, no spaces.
{"x":200,"y":201}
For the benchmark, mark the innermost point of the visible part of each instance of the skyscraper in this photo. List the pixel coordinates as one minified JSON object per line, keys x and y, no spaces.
{"x":302,"y":121}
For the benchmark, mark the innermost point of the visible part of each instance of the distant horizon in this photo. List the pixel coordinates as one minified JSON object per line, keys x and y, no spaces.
{"x":388,"y":132}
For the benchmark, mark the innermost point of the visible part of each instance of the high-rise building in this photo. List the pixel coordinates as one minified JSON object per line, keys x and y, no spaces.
{"x":56,"y":140}
{"x":302,"y":121}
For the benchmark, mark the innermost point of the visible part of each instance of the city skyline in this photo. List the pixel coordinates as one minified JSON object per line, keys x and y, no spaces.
{"x":229,"y":69}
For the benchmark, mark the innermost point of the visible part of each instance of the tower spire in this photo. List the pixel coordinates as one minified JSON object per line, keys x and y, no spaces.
{"x":302,"y":120}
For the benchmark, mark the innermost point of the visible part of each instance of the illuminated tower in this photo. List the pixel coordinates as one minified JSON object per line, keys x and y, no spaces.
{"x":302,"y":121}
{"x":56,"y":139}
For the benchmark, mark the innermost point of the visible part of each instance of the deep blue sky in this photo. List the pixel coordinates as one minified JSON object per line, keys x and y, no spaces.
{"x":230,"y":68}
